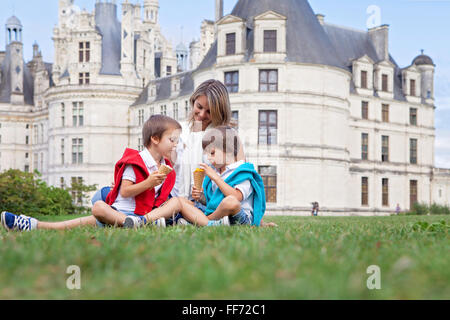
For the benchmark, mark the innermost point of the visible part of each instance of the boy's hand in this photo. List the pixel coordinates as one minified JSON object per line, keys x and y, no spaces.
{"x":155,"y":179}
{"x":196,"y":193}
{"x":210,"y":172}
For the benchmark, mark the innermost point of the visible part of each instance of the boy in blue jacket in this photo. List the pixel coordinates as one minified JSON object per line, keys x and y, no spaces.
{"x":233,"y":192}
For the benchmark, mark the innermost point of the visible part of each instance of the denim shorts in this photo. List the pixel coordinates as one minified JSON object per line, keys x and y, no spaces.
{"x":129,"y":213}
{"x":241,"y":217}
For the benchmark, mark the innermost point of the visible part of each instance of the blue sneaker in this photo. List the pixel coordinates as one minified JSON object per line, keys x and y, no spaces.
{"x":21,"y":223}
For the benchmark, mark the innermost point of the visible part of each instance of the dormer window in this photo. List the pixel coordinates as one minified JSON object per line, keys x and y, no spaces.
{"x":364,"y":79}
{"x":84,"y":53}
{"x":230,"y":44}
{"x":384,"y":82}
{"x":412,"y":87}
{"x":270,"y":40}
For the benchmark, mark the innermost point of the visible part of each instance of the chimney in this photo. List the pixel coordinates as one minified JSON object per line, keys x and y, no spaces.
{"x":321,"y":18}
{"x":219,"y":9}
{"x":380,"y":40}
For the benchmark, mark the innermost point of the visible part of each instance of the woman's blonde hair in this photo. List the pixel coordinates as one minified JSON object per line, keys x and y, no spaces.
{"x":218,"y":101}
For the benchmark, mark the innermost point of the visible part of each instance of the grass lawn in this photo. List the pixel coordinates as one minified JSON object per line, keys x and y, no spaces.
{"x":304,"y":258}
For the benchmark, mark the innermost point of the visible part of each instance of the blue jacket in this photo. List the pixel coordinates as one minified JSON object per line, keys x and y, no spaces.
{"x":244,"y":172}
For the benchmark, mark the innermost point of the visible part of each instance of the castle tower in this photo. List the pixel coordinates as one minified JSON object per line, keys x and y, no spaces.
{"x":426,"y":66}
{"x":182,"y":55}
{"x":127,"y":57}
{"x":151,"y":9}
{"x":15,"y":48}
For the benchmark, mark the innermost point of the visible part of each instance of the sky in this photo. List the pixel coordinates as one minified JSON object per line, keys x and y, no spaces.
{"x":413,"y":25}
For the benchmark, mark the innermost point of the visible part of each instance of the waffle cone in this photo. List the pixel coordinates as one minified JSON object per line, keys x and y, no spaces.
{"x":199,"y":175}
{"x":163,"y":169}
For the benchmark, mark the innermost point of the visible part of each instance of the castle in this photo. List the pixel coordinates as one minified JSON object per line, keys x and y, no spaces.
{"x":324,"y":111}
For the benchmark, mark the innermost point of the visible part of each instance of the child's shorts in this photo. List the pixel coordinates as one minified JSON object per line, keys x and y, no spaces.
{"x":102,"y":225}
{"x":239,"y":218}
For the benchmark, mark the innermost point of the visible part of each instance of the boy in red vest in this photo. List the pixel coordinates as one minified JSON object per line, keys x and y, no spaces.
{"x":138,"y":186}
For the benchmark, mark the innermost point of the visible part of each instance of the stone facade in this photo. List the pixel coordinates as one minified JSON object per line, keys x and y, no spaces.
{"x":335,"y":121}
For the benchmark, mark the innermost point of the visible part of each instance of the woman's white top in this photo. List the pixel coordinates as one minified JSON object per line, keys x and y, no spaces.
{"x":189,"y":156}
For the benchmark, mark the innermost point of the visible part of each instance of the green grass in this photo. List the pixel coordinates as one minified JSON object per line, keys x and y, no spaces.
{"x":304,"y":258}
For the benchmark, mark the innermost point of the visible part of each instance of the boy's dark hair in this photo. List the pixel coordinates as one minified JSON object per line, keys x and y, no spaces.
{"x":224,"y":138}
{"x":156,"y":126}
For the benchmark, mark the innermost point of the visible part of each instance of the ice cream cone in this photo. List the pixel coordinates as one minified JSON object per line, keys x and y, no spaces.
{"x":163,"y":169}
{"x":199,"y":175}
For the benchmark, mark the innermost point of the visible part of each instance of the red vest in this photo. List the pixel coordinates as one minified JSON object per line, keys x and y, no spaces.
{"x":145,"y":202}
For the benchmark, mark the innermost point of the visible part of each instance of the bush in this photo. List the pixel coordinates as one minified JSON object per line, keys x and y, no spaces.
{"x":25,"y":193}
{"x":424,"y":209}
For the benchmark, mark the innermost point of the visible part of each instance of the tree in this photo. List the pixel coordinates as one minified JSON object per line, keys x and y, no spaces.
{"x":25,"y":193}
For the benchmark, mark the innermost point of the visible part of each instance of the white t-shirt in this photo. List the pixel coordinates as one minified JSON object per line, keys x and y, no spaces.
{"x":244,"y":187}
{"x":189,"y":156}
{"x":129,"y":204}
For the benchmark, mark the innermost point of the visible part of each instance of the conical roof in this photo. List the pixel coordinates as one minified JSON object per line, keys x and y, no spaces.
{"x":13,"y":22}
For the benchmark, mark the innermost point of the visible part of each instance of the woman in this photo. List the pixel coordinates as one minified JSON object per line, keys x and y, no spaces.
{"x":210,"y":108}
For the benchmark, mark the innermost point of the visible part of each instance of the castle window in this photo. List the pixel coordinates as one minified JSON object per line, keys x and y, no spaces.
{"x":364,"y":191}
{"x":62,"y":183}
{"x":267,"y":127}
{"x":365,"y":110}
{"x":269,"y":177}
{"x":268,"y":80}
{"x":413,"y":151}
{"x":235,"y":119}
{"x":77,"y":114}
{"x":413,"y":116}
{"x":385,"y":192}
{"x":186,"y":108}
{"x":63,"y":115}
{"x":77,"y":151}
{"x":230,"y":44}
{"x":384,"y":82}
{"x":175,"y":110}
{"x":232,"y":81}
{"x":385,"y":112}
{"x":83,"y":78}
{"x":412,"y":87}
{"x":62,"y":151}
{"x":364,"y":79}
{"x":84,"y":53}
{"x":164,"y":110}
{"x":270,"y":41}
{"x":364,"y":146}
{"x":412,"y":192}
{"x":384,"y":148}
{"x":169,"y":70}
{"x":140,"y":117}
{"x":77,"y":196}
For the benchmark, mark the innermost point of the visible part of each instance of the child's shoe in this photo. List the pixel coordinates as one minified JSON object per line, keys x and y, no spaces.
{"x":225,"y":221}
{"x":21,"y":223}
{"x":182,"y":222}
{"x":160,"y":223}
{"x":134,"y":222}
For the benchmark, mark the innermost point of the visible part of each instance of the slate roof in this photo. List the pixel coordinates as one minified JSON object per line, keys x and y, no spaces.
{"x":5,"y":85}
{"x":110,"y":29}
{"x":164,"y":88}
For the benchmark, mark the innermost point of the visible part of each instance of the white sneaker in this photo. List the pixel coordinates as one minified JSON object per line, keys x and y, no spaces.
{"x":182,"y":222}
{"x":160,"y":223}
{"x":133,"y":222}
